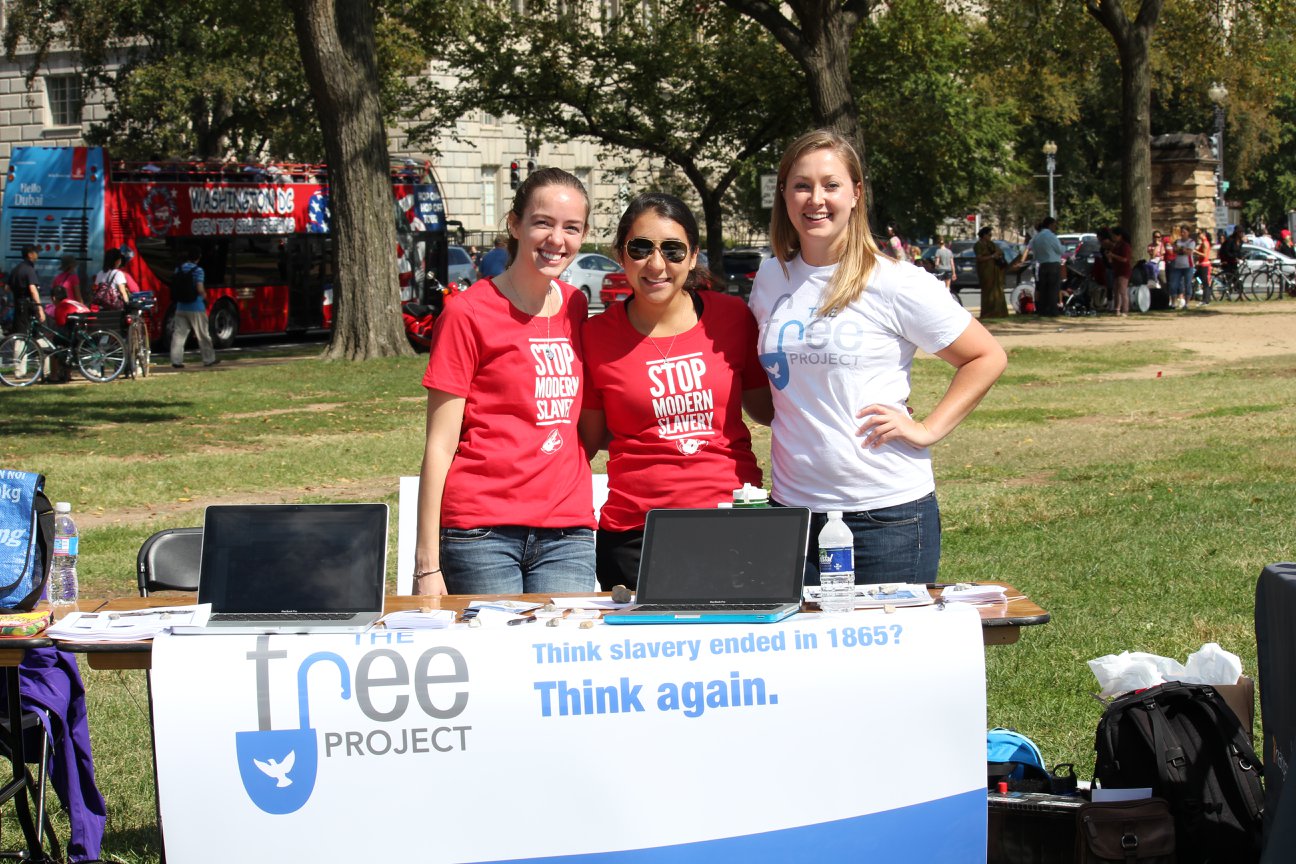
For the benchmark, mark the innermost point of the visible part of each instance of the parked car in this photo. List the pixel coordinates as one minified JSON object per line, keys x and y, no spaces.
{"x":1070,"y":242}
{"x":740,"y":266}
{"x":460,"y":267}
{"x":587,"y":271}
{"x":616,"y":287}
{"x":1258,"y":258}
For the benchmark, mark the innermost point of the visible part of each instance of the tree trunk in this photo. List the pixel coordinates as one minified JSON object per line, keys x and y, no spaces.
{"x":1136,"y":140}
{"x":1133,"y":43}
{"x":337,"y":44}
{"x":820,"y":42}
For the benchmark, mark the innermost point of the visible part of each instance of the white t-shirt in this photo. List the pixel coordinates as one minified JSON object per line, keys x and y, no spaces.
{"x":824,"y":370}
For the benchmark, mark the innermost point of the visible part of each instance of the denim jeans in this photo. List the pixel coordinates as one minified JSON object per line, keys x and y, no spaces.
{"x":515,"y":559}
{"x":892,"y":544}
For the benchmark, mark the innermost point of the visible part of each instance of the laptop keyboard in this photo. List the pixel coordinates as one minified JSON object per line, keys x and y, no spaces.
{"x":281,"y":616}
{"x":694,"y":607}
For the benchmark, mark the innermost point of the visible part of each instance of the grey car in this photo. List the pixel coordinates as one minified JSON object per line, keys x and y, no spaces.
{"x":460,"y":267}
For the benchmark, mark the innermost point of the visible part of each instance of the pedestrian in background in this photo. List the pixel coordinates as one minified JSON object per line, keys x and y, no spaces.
{"x":1121,"y":257}
{"x":494,"y":262}
{"x":67,"y":279}
{"x":1181,"y":269}
{"x":945,"y":266}
{"x":190,"y":295}
{"x":24,"y":284}
{"x":1047,"y":249}
{"x":990,"y":269}
{"x":1202,"y":257}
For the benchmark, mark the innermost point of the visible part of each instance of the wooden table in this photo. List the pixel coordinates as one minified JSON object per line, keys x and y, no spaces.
{"x":1001,"y":623}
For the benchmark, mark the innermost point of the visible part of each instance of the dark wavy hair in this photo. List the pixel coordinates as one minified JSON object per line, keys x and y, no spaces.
{"x":667,"y":207}
{"x":534,"y":182}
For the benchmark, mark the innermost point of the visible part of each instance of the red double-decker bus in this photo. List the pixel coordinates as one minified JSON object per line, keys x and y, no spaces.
{"x":263,"y":231}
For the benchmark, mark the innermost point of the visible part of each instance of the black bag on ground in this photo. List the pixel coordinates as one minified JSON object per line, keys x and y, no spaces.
{"x":26,"y":539}
{"x":1117,"y":832}
{"x":1184,"y":742}
{"x":183,"y":289}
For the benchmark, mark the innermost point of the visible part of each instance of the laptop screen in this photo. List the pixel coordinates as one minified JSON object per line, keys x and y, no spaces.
{"x":729,"y":555}
{"x":294,"y":557}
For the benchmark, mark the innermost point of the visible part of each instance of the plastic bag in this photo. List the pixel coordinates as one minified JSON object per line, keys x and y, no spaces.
{"x":1120,"y":673}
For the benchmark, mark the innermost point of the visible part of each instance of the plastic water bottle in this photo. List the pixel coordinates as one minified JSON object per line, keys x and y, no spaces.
{"x":836,"y":565}
{"x":63,"y":576}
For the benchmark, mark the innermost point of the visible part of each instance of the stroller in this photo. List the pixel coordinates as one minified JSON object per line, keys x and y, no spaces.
{"x":1081,"y":295}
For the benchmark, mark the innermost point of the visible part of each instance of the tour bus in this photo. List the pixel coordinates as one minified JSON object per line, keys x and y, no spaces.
{"x":263,"y":231}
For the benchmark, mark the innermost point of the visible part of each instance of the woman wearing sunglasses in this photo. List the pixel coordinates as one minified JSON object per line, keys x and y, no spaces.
{"x":668,"y":374}
{"x":505,"y":504}
{"x":840,"y":323}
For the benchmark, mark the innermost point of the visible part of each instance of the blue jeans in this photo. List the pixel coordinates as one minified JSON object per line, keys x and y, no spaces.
{"x":514,"y":559}
{"x":892,"y":544}
{"x":1181,"y":282}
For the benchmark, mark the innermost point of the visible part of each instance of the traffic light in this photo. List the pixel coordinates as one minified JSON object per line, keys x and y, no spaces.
{"x":530,"y":166}
{"x":514,"y":179}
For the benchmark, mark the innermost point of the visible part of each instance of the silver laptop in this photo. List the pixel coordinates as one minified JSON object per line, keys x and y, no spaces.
{"x":293,"y":568}
{"x":719,"y":566}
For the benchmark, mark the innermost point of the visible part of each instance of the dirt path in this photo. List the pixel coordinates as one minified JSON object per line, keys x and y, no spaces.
{"x":1222,"y":331}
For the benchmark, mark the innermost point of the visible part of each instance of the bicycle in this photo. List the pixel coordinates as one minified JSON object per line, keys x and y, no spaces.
{"x":1272,"y":279}
{"x":137,"y":337}
{"x":1227,"y":284}
{"x":100,"y":354}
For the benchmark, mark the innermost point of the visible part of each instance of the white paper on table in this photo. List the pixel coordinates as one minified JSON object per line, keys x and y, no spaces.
{"x":414,"y":619}
{"x":968,"y":593}
{"x":128,"y":626}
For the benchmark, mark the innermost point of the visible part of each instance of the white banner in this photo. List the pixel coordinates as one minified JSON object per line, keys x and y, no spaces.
{"x":858,"y":737}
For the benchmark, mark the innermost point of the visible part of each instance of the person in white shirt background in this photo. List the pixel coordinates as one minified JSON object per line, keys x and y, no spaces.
{"x":839,"y":325}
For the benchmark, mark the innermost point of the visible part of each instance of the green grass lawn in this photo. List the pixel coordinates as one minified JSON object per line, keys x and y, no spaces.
{"x":1138,"y":510}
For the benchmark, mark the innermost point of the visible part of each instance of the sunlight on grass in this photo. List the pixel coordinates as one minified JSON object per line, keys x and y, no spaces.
{"x":1138,"y":510}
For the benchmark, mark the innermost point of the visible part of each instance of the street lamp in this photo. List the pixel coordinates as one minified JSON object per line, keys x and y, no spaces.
{"x":1050,"y":160}
{"x":1218,"y":94}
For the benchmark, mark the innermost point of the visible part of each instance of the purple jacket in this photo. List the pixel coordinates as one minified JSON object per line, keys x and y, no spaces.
{"x":50,"y":680}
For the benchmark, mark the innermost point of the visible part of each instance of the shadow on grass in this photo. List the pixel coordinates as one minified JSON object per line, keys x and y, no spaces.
{"x":42,"y":416}
{"x":141,"y":843}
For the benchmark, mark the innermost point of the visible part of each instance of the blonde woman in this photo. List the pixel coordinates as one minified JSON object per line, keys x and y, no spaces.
{"x":839,"y":325}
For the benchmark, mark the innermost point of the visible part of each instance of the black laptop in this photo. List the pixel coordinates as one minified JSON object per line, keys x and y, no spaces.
{"x":293,"y":568}
{"x":720,"y":566}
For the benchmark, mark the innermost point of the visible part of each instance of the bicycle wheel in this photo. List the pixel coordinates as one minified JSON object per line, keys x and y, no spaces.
{"x":140,"y":349}
{"x":101,"y":355}
{"x":21,"y":361}
{"x":1218,"y":287}
{"x":1258,"y":285}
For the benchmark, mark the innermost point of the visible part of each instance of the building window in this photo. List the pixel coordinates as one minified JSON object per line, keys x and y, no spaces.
{"x":63,"y":93}
{"x":489,"y":119}
{"x":489,"y":193}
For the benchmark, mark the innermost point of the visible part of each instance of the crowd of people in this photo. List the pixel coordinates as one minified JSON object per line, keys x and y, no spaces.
{"x":524,"y":389}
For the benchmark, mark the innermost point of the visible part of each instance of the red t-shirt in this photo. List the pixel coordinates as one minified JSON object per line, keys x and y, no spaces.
{"x":674,"y":409}
{"x":64,"y":308}
{"x":520,"y":461}
{"x":1122,"y":268}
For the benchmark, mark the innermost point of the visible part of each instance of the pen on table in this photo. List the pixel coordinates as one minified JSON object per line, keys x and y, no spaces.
{"x":525,"y":620}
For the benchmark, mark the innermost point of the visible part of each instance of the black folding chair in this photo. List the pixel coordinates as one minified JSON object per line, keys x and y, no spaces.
{"x":168,"y":561}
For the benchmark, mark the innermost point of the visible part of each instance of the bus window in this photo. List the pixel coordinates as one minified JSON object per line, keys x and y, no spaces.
{"x":259,"y":261}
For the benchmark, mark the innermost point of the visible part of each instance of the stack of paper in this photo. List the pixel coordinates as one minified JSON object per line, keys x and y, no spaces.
{"x":435,"y":619}
{"x":877,"y":596}
{"x":965,"y":592}
{"x":133,"y":626}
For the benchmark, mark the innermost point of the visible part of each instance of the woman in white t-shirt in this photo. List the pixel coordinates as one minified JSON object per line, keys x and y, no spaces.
{"x":839,"y":325}
{"x":110,"y":289}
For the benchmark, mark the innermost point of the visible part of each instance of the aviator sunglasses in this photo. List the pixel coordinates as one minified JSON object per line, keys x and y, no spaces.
{"x":673,"y":251}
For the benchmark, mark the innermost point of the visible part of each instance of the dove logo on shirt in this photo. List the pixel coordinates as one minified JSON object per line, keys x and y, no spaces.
{"x":822,"y":340}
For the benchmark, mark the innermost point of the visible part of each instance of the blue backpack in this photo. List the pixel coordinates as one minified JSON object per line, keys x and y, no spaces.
{"x":26,"y":539}
{"x":1010,"y":755}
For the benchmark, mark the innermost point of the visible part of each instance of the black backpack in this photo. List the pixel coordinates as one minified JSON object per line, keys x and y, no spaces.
{"x":183,"y":288}
{"x":1184,"y":742}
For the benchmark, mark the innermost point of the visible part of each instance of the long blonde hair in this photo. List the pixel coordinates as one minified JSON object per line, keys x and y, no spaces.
{"x":855,"y":250}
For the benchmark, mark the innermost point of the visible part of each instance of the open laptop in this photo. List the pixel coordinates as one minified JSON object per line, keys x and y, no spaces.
{"x":293,"y":568}
{"x":721,"y":566}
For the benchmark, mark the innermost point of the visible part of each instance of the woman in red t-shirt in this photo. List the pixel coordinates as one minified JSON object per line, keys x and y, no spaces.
{"x":1121,"y":257}
{"x":505,"y":499}
{"x":668,"y":374}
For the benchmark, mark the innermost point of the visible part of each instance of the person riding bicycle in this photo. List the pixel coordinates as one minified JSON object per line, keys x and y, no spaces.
{"x":1230,"y":252}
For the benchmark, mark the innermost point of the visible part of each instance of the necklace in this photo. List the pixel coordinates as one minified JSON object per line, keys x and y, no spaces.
{"x":516,"y":301}
{"x":665,"y":355}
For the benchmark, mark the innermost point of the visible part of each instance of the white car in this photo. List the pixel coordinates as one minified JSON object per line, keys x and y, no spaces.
{"x":587,"y":272}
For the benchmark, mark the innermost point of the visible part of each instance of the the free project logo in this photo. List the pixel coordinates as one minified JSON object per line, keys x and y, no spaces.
{"x":278,"y":766}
